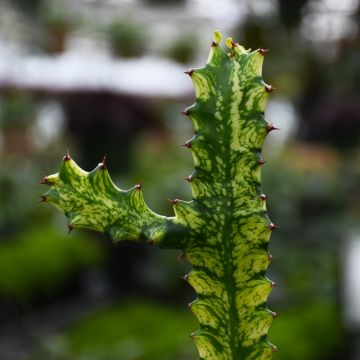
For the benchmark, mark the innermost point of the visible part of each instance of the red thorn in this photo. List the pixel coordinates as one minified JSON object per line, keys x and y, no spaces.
{"x":261,"y":162}
{"x":102,"y":165}
{"x":138,"y":186}
{"x":274,"y":314}
{"x":70,"y":228}
{"x":43,"y":198}
{"x":273,"y":284}
{"x":189,"y":72}
{"x":274,"y":348}
{"x":188,"y":144}
{"x":214,"y":44}
{"x":189,"y":305}
{"x":185,"y":112}
{"x":44,"y":180}
{"x":173,"y":201}
{"x":67,"y":157}
{"x":192,"y":335}
{"x":271,"y":127}
{"x":270,"y":257}
{"x":263,"y":51}
{"x":263,"y":197}
{"x":269,"y":88}
{"x":189,"y":178}
{"x":273,"y":226}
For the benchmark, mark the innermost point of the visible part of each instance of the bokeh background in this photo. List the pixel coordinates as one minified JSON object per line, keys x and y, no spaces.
{"x":105,"y":77}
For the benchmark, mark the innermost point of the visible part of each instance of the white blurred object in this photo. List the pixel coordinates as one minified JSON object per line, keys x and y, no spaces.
{"x":352,"y":283}
{"x":328,"y":27}
{"x":347,"y":6}
{"x":326,"y":22}
{"x":93,"y":70}
{"x":147,"y":76}
{"x":49,"y":124}
{"x":1,"y":142}
{"x":263,"y":8}
{"x":281,"y":113}
{"x":87,"y":64}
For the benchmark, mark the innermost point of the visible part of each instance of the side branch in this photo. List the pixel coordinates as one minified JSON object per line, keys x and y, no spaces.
{"x":91,"y":200}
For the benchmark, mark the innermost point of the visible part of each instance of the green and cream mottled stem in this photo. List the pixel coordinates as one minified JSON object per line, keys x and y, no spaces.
{"x":224,"y":231}
{"x":91,"y":200}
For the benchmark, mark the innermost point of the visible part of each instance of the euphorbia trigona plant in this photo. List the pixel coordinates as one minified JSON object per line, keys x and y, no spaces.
{"x":224,"y":230}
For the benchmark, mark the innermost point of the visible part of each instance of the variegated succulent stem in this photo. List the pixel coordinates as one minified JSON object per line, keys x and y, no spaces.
{"x":224,"y":231}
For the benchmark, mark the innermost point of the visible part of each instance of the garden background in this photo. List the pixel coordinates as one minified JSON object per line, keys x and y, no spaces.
{"x":105,"y":77}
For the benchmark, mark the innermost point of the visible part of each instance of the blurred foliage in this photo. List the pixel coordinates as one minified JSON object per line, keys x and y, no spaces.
{"x":127,"y":38}
{"x":17,"y":200}
{"x":165,"y":164}
{"x":26,"y":6}
{"x":20,"y":175}
{"x":55,"y":18}
{"x":291,"y":11}
{"x":309,"y":206}
{"x":39,"y":261}
{"x":183,"y":48}
{"x":55,"y":23}
{"x":312,"y":331}
{"x":17,"y":109}
{"x":142,"y":330}
{"x":129,"y":331}
{"x":111,"y":123}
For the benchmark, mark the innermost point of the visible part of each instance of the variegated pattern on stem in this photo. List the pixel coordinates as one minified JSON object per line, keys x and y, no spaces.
{"x":224,"y":231}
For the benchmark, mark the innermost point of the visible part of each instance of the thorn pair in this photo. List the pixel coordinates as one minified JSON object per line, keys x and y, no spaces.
{"x":263,"y":51}
{"x":189,"y":72}
{"x":44,"y":181}
{"x":263,"y":197}
{"x":269,"y":88}
{"x":273,"y":226}
{"x":188,"y":144}
{"x":189,"y":178}
{"x":232,"y":43}
{"x":173,"y":201}
{"x":102,"y":164}
{"x":67,"y":156}
{"x":271,"y":127}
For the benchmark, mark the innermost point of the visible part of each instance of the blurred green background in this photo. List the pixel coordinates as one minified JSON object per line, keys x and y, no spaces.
{"x":105,"y":77}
